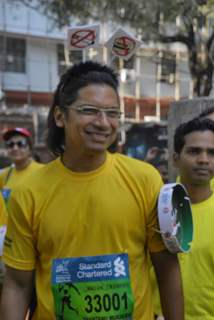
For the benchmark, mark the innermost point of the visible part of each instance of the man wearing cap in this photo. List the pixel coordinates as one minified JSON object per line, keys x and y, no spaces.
{"x":19,"y":149}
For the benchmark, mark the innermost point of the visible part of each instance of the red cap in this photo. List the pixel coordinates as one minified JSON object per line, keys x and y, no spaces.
{"x":10,"y":132}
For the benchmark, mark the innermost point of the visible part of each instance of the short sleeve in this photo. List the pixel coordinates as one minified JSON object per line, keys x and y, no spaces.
{"x":154,"y":239}
{"x":19,"y":245}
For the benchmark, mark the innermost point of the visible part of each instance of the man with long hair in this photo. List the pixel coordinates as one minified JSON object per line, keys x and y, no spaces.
{"x":83,"y":226}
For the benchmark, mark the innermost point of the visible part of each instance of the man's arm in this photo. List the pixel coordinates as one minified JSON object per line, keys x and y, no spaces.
{"x":16,"y":294}
{"x":170,"y":286}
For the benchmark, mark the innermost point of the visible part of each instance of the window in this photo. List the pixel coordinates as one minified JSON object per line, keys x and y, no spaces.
{"x":168,"y":67}
{"x":74,"y":57}
{"x":12,"y":54}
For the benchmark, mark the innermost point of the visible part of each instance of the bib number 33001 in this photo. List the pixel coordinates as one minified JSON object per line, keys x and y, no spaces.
{"x":93,"y":288}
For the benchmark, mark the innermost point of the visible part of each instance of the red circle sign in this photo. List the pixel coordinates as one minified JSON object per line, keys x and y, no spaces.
{"x":123,"y":46}
{"x":82,"y":38}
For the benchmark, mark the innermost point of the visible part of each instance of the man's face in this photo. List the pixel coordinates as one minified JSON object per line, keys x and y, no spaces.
{"x":18,"y":148}
{"x":88,"y":131}
{"x":196,"y":160}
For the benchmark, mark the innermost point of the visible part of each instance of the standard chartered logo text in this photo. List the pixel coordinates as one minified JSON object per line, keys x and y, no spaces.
{"x":110,"y":269}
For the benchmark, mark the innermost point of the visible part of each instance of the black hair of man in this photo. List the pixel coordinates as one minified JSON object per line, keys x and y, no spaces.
{"x":196,"y":124}
{"x":76,"y":77}
{"x":206,"y":112}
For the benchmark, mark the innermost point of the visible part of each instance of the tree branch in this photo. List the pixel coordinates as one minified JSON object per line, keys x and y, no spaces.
{"x":210,"y":41}
{"x":176,"y":38}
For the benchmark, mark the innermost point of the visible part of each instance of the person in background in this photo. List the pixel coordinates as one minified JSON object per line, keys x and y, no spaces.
{"x":206,"y":114}
{"x":158,"y":157}
{"x":162,"y":167}
{"x":19,"y":149}
{"x":194,"y":159}
{"x":3,"y":222}
{"x":84,"y":225}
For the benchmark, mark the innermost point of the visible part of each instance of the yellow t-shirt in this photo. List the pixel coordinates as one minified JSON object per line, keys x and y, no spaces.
{"x":16,"y":176}
{"x":63,"y":214}
{"x":3,"y":221}
{"x":3,"y":215}
{"x":197,"y":266}
{"x":10,"y":177}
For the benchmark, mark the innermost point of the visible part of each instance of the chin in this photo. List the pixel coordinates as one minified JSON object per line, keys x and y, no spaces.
{"x":96,"y":149}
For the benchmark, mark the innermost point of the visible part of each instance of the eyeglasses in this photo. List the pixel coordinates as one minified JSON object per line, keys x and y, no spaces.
{"x":88,"y":110}
{"x":19,"y":144}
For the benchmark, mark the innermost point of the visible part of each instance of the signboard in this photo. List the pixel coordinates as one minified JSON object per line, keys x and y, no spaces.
{"x":122,"y":44}
{"x":83,"y":37}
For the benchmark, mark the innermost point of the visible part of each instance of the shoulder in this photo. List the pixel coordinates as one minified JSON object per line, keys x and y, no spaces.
{"x":38,"y":177}
{"x":35,"y":165}
{"x":5,"y":170}
{"x":138,"y":173}
{"x":3,"y":175}
{"x":135,"y":166}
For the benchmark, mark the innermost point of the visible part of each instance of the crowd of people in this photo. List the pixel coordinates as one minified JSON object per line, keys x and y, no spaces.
{"x":82,"y":229}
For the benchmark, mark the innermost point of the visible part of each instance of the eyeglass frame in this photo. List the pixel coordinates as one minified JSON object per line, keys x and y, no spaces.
{"x":98,"y":110}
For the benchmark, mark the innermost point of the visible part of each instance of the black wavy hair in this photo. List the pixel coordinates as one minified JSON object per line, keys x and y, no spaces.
{"x":196,"y":124}
{"x":76,"y":77}
{"x":206,"y":112}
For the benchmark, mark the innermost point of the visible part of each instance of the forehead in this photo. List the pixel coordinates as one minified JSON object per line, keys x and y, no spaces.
{"x":17,"y":136}
{"x":202,"y":139}
{"x":100,"y":94}
{"x":210,"y":116}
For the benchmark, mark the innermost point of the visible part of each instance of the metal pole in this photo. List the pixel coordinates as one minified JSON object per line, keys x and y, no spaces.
{"x":158,"y":84}
{"x":137,"y":89}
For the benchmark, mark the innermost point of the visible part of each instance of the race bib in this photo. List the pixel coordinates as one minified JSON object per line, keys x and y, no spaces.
{"x":95,"y":288}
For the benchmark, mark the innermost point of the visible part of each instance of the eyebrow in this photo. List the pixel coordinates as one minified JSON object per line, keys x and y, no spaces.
{"x":198,"y":148}
{"x":97,"y":106}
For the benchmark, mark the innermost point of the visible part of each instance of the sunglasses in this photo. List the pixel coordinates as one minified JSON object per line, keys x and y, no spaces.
{"x":19,"y":144}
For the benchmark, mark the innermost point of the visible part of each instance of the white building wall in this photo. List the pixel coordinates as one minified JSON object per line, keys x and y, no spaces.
{"x":42,"y":65}
{"x":19,"y":19}
{"x":41,"y":73}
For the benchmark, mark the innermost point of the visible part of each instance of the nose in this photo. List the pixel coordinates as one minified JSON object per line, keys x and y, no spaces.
{"x":102,"y":119}
{"x":203,"y":157}
{"x":15,"y":147}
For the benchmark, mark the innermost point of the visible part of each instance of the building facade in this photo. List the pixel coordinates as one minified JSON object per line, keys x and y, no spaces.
{"x":32,"y":57}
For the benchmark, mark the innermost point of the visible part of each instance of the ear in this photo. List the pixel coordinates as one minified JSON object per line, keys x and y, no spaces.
{"x":59,"y":117}
{"x":175,"y":159}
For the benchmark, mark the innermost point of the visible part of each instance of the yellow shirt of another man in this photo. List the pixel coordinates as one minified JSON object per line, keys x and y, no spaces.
{"x":3,"y":215}
{"x":197,"y":267}
{"x":58,"y":213}
{"x":10,"y":177}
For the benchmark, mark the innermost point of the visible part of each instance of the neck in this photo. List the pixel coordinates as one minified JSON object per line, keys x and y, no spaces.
{"x":198,"y":193}
{"x":20,"y":165}
{"x":83,"y":163}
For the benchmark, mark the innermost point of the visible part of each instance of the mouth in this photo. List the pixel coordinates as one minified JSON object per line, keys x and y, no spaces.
{"x":202,"y":171}
{"x":98,"y":136}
